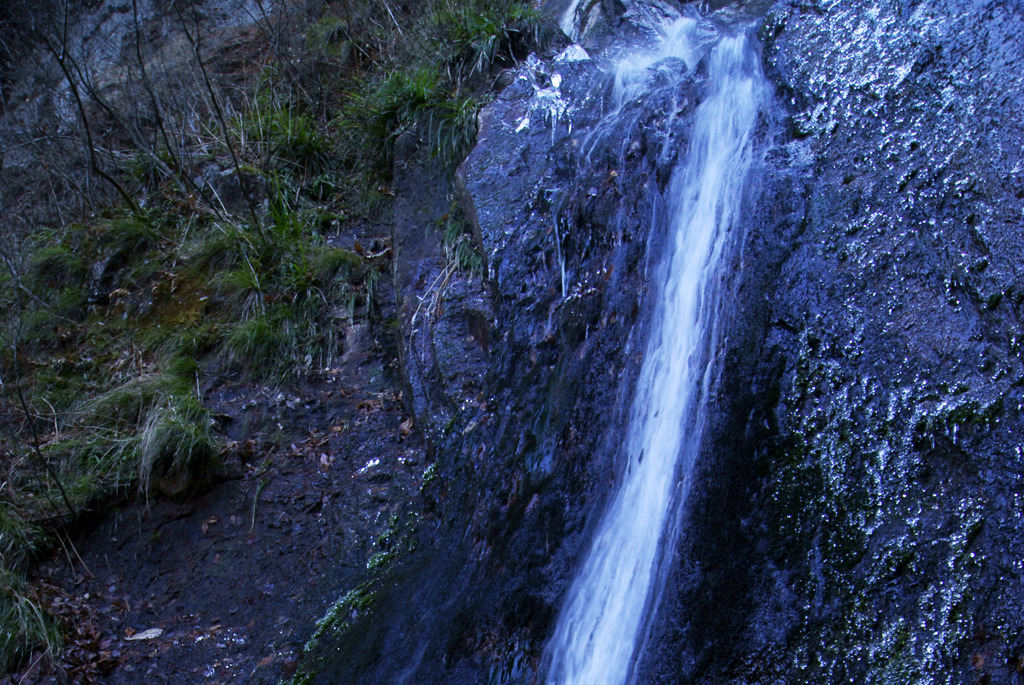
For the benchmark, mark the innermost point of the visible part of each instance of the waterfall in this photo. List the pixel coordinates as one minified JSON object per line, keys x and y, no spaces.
{"x":567,"y":21}
{"x":604,"y":622}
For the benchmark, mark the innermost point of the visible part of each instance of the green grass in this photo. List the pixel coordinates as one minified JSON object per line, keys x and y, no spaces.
{"x":461,"y":251}
{"x":124,"y":405}
{"x":113,"y":319}
{"x":421,"y":103}
{"x":481,"y":34}
{"x":280,"y":286}
{"x":278,"y":133}
{"x":177,"y":446}
{"x":434,"y":89}
{"x":25,"y":628}
{"x":178,"y":297}
{"x":256,"y":344}
{"x":55,"y":264}
{"x":126,"y":236}
{"x":19,"y":538}
{"x":152,"y":427}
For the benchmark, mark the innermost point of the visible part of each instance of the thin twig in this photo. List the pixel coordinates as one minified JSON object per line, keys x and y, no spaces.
{"x":31,"y":667}
{"x":35,"y":439}
{"x":88,"y":571}
{"x":255,"y":499}
{"x":61,"y":57}
{"x":194,"y":42}
{"x":391,"y":14}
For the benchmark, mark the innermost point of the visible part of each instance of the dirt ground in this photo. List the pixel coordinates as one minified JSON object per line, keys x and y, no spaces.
{"x":226,"y":586}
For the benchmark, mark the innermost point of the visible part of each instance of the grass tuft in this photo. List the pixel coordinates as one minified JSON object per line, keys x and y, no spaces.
{"x":461,"y":251}
{"x":259,"y":343}
{"x":176,"y":444}
{"x":56,"y":266}
{"x":25,"y":628}
{"x":481,"y":35}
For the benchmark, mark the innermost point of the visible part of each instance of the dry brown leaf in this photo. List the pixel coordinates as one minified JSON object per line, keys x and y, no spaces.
{"x":209,"y":522}
{"x":146,"y":634}
{"x":406,"y":427}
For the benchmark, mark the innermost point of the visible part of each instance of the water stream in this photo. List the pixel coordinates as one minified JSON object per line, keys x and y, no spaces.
{"x":608,"y":612}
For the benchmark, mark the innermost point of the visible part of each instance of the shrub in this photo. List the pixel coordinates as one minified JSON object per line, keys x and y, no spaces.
{"x":288,"y":138}
{"x":481,"y":35}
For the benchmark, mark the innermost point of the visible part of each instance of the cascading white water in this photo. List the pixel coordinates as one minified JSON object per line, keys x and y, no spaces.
{"x":615,"y":593}
{"x":567,"y":22}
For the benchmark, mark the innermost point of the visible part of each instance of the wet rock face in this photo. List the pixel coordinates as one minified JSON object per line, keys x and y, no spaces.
{"x":867,"y":537}
{"x":858,"y":508}
{"x":519,"y":386}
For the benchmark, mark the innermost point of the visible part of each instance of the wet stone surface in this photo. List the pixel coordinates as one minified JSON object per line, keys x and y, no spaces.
{"x":522,"y":470}
{"x":862,"y":490}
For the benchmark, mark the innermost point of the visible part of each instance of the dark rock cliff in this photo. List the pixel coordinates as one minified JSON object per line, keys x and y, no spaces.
{"x":861,"y":505}
{"x":518,"y":377}
{"x":858,"y":509}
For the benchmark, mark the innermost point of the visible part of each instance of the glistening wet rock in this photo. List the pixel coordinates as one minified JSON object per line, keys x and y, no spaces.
{"x":859,"y":499}
{"x":861,"y":495}
{"x":527,"y":373}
